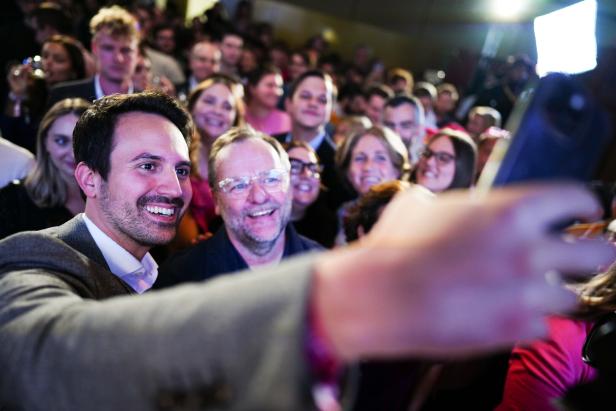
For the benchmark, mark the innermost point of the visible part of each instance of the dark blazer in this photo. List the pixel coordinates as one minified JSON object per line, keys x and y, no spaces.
{"x":319,"y":223}
{"x":233,"y":343}
{"x":72,"y":89}
{"x":217,"y":255}
{"x":20,"y":213}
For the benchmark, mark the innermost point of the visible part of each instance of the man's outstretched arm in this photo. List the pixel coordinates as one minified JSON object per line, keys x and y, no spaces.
{"x":452,"y":276}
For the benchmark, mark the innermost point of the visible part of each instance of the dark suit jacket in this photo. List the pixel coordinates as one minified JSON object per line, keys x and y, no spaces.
{"x":20,"y":213}
{"x":72,"y":89}
{"x":217,"y":255}
{"x":234,"y":343}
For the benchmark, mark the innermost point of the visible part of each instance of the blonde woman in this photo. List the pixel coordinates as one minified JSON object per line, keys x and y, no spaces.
{"x":49,"y":195}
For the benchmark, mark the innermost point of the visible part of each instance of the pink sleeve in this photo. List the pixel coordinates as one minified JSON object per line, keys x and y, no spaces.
{"x":544,"y":370}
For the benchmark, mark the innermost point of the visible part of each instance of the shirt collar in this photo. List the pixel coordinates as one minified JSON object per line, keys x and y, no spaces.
{"x":98,"y":89}
{"x":314,"y":143}
{"x":140,"y":275}
{"x":317,"y":140}
{"x":192,"y":83}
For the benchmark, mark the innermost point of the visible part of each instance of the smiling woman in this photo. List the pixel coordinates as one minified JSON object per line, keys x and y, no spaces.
{"x":216,"y":105}
{"x":264,"y":91}
{"x":370,"y":157}
{"x":448,"y":161}
{"x":49,"y":195}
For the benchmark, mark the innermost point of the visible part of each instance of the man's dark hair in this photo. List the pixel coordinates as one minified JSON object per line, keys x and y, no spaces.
{"x":163,"y":26}
{"x":93,"y":134}
{"x":312,"y":73}
{"x":229,"y":31}
{"x":413,"y":101}
{"x":254,"y":77}
{"x":302,"y":54}
{"x":380,"y":90}
{"x":350,"y":90}
{"x":397,"y":101}
{"x":51,"y":15}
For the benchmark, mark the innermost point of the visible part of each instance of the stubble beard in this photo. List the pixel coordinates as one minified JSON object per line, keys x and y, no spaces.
{"x":131,"y":221}
{"x":257,"y":245}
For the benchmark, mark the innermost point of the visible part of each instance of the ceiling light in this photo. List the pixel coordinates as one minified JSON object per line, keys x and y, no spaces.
{"x":508,"y":9}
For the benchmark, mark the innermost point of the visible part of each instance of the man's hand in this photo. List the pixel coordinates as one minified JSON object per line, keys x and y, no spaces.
{"x":457,"y":274}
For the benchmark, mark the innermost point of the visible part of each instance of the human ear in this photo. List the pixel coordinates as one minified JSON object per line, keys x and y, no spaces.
{"x":88,"y":179}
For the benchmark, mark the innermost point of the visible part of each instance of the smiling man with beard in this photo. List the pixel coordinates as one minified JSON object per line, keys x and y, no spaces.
{"x":249,"y":176}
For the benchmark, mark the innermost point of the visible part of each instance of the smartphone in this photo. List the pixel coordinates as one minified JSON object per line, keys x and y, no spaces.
{"x":558,"y":133}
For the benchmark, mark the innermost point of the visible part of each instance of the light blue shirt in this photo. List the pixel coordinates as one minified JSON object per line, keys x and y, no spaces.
{"x":140,"y":275}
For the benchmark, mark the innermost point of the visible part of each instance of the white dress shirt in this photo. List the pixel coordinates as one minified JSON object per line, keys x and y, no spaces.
{"x":140,"y":275}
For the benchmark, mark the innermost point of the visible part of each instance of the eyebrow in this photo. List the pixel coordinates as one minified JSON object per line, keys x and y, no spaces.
{"x":148,"y":156}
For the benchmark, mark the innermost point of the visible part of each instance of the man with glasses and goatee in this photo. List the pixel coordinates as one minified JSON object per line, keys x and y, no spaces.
{"x":249,"y":177}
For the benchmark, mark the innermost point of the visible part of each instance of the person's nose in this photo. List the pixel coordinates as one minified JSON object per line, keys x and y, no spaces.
{"x":432,"y":161}
{"x":368,"y":164}
{"x":169,"y":184}
{"x":118,"y":56}
{"x":313,"y":102}
{"x":70,"y":154}
{"x":47,"y":63}
{"x":306,"y":173}
{"x":218,"y":110}
{"x":257,"y":194}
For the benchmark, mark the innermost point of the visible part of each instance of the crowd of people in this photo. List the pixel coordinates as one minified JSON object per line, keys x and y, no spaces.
{"x":218,"y":149}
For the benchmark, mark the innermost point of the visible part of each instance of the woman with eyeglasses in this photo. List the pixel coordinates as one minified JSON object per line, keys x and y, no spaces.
{"x":216,"y":105}
{"x":310,"y":214}
{"x":370,"y":157}
{"x":448,"y":161}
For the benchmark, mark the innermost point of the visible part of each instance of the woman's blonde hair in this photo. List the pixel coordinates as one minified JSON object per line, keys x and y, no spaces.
{"x":597,"y":295}
{"x":44,"y":183}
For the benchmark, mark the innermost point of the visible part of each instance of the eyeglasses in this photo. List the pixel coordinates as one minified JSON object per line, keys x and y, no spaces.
{"x":442,"y":158}
{"x":272,"y":181}
{"x":298,"y":167}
